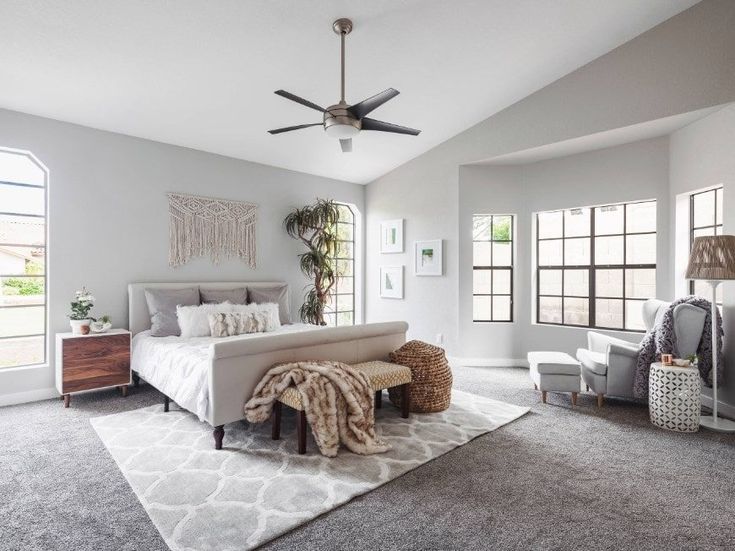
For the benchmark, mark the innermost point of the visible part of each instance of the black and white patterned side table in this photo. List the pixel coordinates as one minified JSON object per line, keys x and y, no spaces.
{"x":675,"y":397}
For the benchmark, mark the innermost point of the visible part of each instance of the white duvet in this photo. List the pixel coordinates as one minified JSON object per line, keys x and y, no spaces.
{"x":179,"y":366}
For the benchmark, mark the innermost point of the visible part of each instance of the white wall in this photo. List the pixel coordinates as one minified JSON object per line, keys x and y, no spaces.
{"x":680,"y":66}
{"x":108,"y":218}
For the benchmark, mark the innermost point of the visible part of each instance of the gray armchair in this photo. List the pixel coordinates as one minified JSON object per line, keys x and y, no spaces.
{"x":608,"y":364}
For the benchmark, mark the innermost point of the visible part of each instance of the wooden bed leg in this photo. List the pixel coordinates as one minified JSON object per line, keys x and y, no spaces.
{"x":166,"y":402}
{"x":219,"y":434}
{"x":124,"y":390}
{"x":136,"y":380}
{"x":276,"y":420}
{"x":405,"y":400}
{"x":378,"y":399}
{"x":301,"y":429}
{"x":67,"y":400}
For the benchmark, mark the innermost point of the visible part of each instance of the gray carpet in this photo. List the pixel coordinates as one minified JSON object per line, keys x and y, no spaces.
{"x":554,"y":479}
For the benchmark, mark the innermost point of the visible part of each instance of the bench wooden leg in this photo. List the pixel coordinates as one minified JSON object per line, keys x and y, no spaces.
{"x":378,"y":399}
{"x":276,"y":427}
{"x":301,"y":430}
{"x":543,"y":396}
{"x":405,"y":400}
{"x":219,"y":434}
{"x":574,"y":399}
{"x":166,"y":402}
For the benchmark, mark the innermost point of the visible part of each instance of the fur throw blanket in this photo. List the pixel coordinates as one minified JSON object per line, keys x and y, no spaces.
{"x":337,"y":399}
{"x":661,"y":339}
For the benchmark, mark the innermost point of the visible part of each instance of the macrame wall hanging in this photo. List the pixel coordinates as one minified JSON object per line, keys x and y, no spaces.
{"x":202,"y":225}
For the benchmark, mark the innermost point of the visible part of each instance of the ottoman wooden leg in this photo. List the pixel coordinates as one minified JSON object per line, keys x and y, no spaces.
{"x":600,"y":400}
{"x":574,"y":399}
{"x":543,"y":396}
{"x":301,"y":429}
{"x":378,"y":399}
{"x":405,"y":400}
{"x":276,"y":420}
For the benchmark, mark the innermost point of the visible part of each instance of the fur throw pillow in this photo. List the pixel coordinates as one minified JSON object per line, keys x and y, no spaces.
{"x":194,"y":320}
{"x":242,"y":319}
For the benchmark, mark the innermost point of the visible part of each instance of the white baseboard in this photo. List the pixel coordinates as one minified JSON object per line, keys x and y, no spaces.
{"x":28,"y":396}
{"x":723,"y":409}
{"x":488,"y":362}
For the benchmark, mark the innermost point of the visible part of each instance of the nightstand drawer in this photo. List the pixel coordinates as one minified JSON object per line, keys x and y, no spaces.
{"x":95,"y":362}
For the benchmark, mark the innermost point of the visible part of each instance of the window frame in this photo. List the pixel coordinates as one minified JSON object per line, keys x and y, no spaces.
{"x":718,"y":228}
{"x":491,"y":267}
{"x":335,"y":289}
{"x":44,"y":217}
{"x":592,"y":267}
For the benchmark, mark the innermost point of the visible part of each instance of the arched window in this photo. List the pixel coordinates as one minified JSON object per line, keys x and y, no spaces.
{"x":23,"y":186}
{"x":341,"y":309}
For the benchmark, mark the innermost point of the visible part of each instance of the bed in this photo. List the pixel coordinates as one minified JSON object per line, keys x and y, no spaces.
{"x":214,"y":377}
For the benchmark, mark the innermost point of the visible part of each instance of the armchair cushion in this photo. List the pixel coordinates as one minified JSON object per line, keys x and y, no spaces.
{"x":596,"y":362}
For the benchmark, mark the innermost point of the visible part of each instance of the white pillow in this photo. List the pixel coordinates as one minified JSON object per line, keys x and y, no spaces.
{"x":194,"y":320}
{"x":270,"y":309}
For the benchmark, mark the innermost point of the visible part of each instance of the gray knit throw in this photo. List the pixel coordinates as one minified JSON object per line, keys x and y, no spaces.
{"x":661,"y":339}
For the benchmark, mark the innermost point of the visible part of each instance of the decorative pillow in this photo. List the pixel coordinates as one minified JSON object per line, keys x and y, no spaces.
{"x":270,"y":309}
{"x":218,"y":296}
{"x":227,"y":324}
{"x":162,"y":305}
{"x":277,"y":294}
{"x":194,"y":320}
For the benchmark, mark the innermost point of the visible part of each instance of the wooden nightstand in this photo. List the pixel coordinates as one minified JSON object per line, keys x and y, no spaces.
{"x":94,"y":361}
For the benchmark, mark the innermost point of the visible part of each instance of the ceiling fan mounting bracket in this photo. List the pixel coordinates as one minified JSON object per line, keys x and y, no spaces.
{"x":342,"y":26}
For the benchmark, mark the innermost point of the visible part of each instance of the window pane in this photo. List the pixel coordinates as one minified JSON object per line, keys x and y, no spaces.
{"x":21,"y":291}
{"x":576,"y":222}
{"x":502,"y":228}
{"x":501,"y":308}
{"x":21,"y":230}
{"x":344,"y":267}
{"x":701,"y":232}
{"x":550,"y":282}
{"x":549,"y":310}
{"x":345,"y":249}
{"x":344,"y":303}
{"x":25,"y":320}
{"x":22,"y":200}
{"x":501,"y":282}
{"x":21,"y":351}
{"x":577,"y":311}
{"x":704,"y":290}
{"x":21,"y":261}
{"x":482,"y":282}
{"x":641,"y":217}
{"x":577,"y":283}
{"x":718,"y":213}
{"x":344,"y":232}
{"x":640,"y":283}
{"x":345,"y":318}
{"x":609,"y":250}
{"x":481,"y":251}
{"x":609,"y":220}
{"x":609,"y":313}
{"x":550,"y":253}
{"x":481,"y":308}
{"x":19,"y":168}
{"x":345,"y":285}
{"x":550,"y":224}
{"x":704,"y":209}
{"x":577,"y":251}
{"x":481,"y":230}
{"x":330,"y":319}
{"x":641,"y":249}
{"x":502,"y":254}
{"x":609,"y":283}
{"x":634,"y":315}
{"x":345,"y":214}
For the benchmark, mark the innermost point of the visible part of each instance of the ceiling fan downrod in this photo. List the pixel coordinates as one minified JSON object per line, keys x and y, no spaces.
{"x":342,"y":27}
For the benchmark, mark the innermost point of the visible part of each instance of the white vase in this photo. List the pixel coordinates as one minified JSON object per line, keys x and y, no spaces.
{"x":79,"y":327}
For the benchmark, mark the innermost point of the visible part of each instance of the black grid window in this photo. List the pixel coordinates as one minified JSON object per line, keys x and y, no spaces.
{"x":492,"y":268}
{"x":596,"y":265}
{"x":22,"y":260}
{"x":341,"y":308}
{"x":705,"y":218}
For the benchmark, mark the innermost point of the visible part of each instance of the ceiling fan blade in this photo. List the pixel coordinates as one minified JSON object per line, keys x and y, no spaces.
{"x":297,"y":99}
{"x":346,"y":144}
{"x":380,"y":126}
{"x":365,"y":106}
{"x":289,"y":128}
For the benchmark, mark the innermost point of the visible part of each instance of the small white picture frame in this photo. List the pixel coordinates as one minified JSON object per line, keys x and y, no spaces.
{"x":391,"y":236}
{"x":391,"y":282}
{"x":428,"y":258}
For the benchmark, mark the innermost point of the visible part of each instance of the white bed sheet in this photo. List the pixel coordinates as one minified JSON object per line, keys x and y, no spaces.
{"x":178,"y":366}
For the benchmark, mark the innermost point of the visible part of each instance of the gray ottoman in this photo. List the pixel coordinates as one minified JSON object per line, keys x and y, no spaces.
{"x":554,"y":372}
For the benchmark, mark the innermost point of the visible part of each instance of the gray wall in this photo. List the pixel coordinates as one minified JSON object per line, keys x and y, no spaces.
{"x":109,"y":218}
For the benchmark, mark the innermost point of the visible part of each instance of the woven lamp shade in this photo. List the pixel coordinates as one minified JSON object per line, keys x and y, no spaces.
{"x":712,"y":258}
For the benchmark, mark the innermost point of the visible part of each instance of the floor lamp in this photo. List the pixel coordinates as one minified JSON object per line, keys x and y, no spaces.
{"x":713,"y":260}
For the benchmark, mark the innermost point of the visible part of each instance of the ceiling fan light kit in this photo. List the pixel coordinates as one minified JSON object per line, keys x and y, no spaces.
{"x":342,"y":120}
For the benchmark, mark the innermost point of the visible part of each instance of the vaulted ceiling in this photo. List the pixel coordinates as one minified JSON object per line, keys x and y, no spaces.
{"x":201,"y":74}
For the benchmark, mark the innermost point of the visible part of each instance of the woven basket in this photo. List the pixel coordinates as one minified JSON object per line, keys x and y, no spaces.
{"x":431,"y":377}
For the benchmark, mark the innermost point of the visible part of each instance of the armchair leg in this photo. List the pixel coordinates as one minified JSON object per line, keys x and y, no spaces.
{"x":543,"y":396}
{"x":600,"y":400}
{"x":587,"y":387}
{"x":574,"y":399}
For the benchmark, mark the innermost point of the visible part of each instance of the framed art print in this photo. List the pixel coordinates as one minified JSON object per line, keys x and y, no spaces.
{"x":391,"y":282}
{"x":391,"y":236}
{"x":428,"y":258}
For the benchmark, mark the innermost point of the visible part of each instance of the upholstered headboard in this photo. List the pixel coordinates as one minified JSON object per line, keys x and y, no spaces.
{"x":140,"y":319}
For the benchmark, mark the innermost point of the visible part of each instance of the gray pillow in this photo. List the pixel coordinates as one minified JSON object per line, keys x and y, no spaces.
{"x":277,"y":294}
{"x":162,"y":305}
{"x":218,"y":296}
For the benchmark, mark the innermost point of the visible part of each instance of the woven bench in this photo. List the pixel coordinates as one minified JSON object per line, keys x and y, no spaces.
{"x":382,"y":375}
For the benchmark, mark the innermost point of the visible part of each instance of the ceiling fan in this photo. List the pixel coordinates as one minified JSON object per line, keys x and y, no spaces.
{"x":342,"y":120}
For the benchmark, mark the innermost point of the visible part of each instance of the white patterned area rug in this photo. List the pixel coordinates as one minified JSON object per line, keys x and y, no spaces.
{"x":255,"y":488}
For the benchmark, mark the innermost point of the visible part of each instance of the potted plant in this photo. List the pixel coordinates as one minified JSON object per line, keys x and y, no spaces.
{"x":80,"y":307}
{"x":316,"y":227}
{"x":101,"y":325}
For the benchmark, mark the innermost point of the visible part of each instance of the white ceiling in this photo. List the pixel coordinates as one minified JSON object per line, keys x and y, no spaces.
{"x":201,"y":74}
